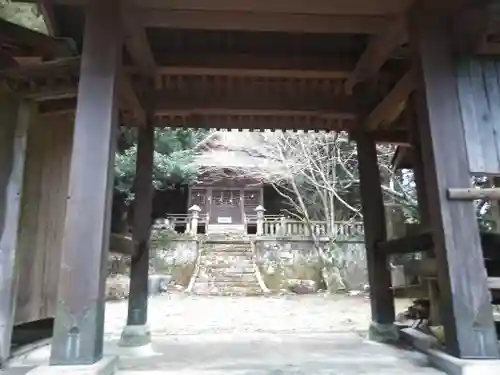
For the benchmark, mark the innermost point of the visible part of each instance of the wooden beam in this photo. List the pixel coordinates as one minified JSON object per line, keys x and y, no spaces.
{"x":406,"y":245}
{"x":466,"y":307}
{"x":246,"y":72}
{"x":252,"y":102}
{"x":248,"y":61}
{"x":13,"y":136}
{"x":379,"y":275}
{"x":43,"y":45}
{"x":255,"y":21}
{"x":379,"y":51}
{"x":393,"y":104}
{"x":136,"y":41}
{"x":395,"y":137}
{"x":79,"y":323}
{"x":471,"y":194}
{"x":368,"y":7}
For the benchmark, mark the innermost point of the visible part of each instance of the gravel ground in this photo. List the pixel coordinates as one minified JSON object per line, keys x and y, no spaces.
{"x":181,"y":314}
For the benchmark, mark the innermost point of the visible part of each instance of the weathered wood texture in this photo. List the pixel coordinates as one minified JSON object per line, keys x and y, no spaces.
{"x":467,"y":312}
{"x":79,"y":325}
{"x":143,"y":206}
{"x":13,"y":135}
{"x":42,"y":218}
{"x":379,"y":275}
{"x":479,"y":93}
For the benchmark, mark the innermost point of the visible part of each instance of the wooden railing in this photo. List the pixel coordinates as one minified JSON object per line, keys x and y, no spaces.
{"x":280,"y":226}
{"x":173,"y":221}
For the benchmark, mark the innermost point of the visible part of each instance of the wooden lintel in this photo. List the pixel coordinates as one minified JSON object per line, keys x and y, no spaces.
{"x":266,"y":73}
{"x":393,"y":104}
{"x":255,"y":21}
{"x":137,"y":42}
{"x":342,"y":7}
{"x":406,"y":245}
{"x":379,"y":51}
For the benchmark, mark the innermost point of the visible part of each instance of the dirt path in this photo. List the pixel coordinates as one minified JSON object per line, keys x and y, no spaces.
{"x":182,"y":314}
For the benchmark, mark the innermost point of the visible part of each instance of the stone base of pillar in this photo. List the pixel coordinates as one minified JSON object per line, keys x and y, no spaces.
{"x":445,"y":362}
{"x":135,"y":336}
{"x":385,"y":333}
{"x":106,"y":366}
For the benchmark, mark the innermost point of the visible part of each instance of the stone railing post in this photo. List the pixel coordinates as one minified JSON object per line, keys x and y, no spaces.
{"x":195,"y":215}
{"x":260,"y":219}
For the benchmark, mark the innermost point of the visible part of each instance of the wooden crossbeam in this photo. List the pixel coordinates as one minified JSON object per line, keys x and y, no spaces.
{"x":393,"y":104}
{"x":408,"y":244}
{"x":473,"y":194}
{"x":369,"y":7}
{"x":254,"y":21}
{"x":137,"y":42}
{"x":379,"y":51}
{"x":396,"y":137}
{"x":43,"y":45}
{"x":246,"y":72}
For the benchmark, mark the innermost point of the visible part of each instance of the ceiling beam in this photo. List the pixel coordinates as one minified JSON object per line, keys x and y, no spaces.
{"x":368,"y":7}
{"x":41,"y":44}
{"x":379,"y":51}
{"x":136,"y":41}
{"x":264,"y":73}
{"x":393,"y":104}
{"x":253,"y":21}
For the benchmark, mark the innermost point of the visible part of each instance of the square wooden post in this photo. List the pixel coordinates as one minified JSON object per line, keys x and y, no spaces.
{"x":379,"y":273}
{"x":79,"y":324}
{"x":13,"y":135}
{"x":136,"y":333}
{"x":465,"y":298}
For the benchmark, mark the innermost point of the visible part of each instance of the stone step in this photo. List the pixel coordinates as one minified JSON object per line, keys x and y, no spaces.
{"x":233,"y":252}
{"x":248,"y":264}
{"x":225,"y":249}
{"x":204,"y":289}
{"x":222,"y":260}
{"x":239,"y":279}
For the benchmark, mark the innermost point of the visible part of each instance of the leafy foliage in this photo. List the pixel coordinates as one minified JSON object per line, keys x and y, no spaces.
{"x":173,"y":157}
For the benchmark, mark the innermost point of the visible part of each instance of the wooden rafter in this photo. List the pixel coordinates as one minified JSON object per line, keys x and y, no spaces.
{"x":393,"y":104}
{"x":378,"y":52}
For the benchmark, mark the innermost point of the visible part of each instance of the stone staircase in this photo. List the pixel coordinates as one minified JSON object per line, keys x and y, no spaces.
{"x":226,"y":268}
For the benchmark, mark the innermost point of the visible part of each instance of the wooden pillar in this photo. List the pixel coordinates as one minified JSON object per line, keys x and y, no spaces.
{"x":465,"y":298}
{"x":79,"y":325}
{"x":136,"y":333}
{"x":13,"y":136}
{"x":379,"y":274}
